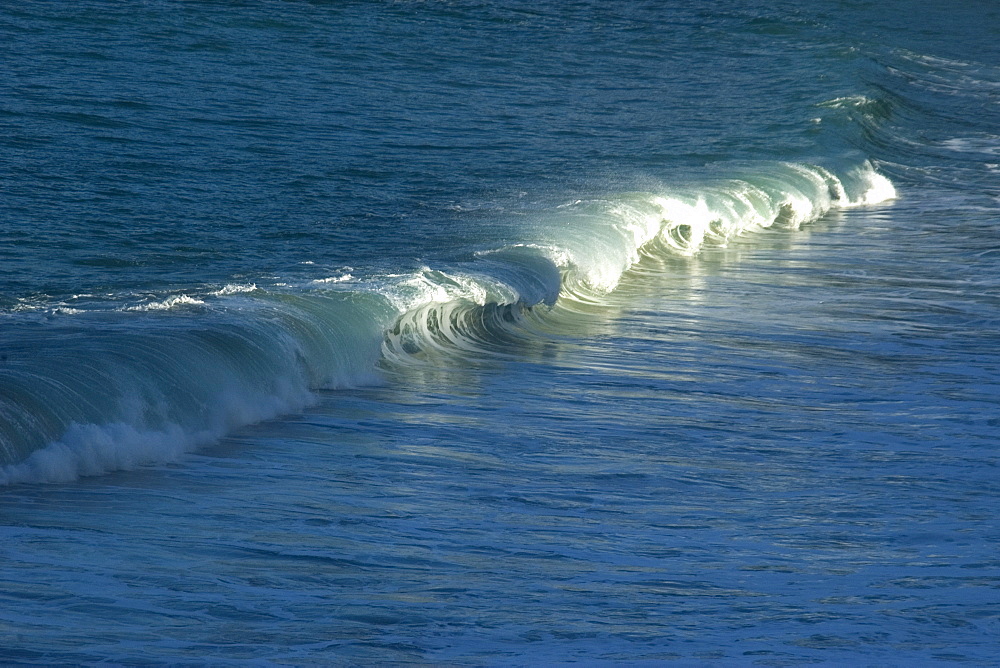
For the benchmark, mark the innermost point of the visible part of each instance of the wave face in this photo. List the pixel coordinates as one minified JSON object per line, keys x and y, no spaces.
{"x":185,"y":255}
{"x":97,"y":386}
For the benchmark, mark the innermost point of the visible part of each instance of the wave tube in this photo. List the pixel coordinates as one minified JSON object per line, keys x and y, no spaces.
{"x":86,"y":391}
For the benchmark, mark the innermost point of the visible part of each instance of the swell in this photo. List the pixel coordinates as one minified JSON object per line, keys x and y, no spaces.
{"x":97,"y":387}
{"x":932,"y":120}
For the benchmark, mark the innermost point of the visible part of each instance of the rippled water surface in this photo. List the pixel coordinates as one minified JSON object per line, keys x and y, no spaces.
{"x":508,"y":334}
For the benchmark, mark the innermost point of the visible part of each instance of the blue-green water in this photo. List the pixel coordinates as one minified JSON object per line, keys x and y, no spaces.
{"x":499,"y":334}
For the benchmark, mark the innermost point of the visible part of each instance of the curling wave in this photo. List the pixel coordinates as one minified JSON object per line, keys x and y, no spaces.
{"x":111,"y":387}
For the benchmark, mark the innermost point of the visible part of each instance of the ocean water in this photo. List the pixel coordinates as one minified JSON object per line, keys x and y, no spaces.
{"x":508,"y":333}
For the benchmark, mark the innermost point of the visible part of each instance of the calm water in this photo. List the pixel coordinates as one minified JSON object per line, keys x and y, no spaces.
{"x":458,"y":333}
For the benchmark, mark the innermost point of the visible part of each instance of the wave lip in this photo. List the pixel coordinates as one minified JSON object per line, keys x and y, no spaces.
{"x":683,"y":220}
{"x":107,"y":390}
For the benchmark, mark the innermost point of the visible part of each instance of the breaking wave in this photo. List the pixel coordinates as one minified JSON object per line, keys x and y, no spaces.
{"x":102,"y":388}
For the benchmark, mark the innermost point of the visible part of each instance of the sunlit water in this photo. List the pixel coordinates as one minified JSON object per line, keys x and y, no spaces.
{"x":448,"y":379}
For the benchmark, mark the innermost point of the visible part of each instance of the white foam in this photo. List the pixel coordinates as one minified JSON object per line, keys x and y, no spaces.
{"x":881,"y":190}
{"x":127,"y":443}
{"x":684,"y":224}
{"x":234,"y":289}
{"x":87,"y":450}
{"x":436,"y":287}
{"x":852,"y":101}
{"x":167,"y":304}
{"x":60,"y":308}
{"x":333,"y":279}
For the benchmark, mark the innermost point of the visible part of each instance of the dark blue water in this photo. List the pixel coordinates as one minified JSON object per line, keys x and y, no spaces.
{"x":499,"y":334}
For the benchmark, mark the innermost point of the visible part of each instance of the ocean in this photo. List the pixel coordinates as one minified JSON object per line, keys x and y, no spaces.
{"x":500,"y":333}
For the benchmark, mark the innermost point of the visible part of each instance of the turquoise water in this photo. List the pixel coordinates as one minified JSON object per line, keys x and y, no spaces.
{"x":509,"y":334}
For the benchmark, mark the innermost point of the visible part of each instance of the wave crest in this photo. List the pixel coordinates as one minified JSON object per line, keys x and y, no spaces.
{"x":143,"y":384}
